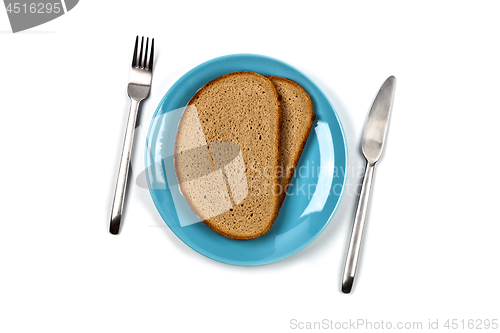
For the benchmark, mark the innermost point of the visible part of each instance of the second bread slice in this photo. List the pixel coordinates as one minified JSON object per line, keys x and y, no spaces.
{"x":296,"y":124}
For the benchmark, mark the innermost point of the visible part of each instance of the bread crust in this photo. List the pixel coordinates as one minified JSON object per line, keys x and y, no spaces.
{"x":276,"y":201}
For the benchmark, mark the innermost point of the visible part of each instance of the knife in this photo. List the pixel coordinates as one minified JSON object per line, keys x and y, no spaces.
{"x":372,"y":146}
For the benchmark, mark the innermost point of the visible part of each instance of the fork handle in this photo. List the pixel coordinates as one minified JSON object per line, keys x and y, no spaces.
{"x":121,"y":183}
{"x":357,"y":230}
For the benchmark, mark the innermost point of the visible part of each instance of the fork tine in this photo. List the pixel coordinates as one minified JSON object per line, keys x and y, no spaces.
{"x":151,"y":56}
{"x":140,"y":54}
{"x":146,"y":54}
{"x":134,"y":59}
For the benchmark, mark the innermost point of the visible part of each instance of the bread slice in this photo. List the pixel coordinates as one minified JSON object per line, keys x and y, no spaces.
{"x":227,"y":154}
{"x":296,"y":124}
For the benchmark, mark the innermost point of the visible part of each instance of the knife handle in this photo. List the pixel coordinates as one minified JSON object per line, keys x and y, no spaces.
{"x":357,"y":230}
{"x":121,"y":183}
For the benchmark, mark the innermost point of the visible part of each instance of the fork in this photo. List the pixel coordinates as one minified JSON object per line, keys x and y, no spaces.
{"x":138,"y":89}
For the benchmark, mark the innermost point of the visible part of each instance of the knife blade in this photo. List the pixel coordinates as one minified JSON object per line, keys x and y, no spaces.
{"x":372,"y":147}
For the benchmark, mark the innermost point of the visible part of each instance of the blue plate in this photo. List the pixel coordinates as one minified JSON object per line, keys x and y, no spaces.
{"x":315,"y":190}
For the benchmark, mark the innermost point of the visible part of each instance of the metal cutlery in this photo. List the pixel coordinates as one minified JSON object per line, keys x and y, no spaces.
{"x":373,"y":144}
{"x":138,"y":88}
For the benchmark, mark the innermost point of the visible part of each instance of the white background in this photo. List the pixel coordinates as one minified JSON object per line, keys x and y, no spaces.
{"x":432,"y":237}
